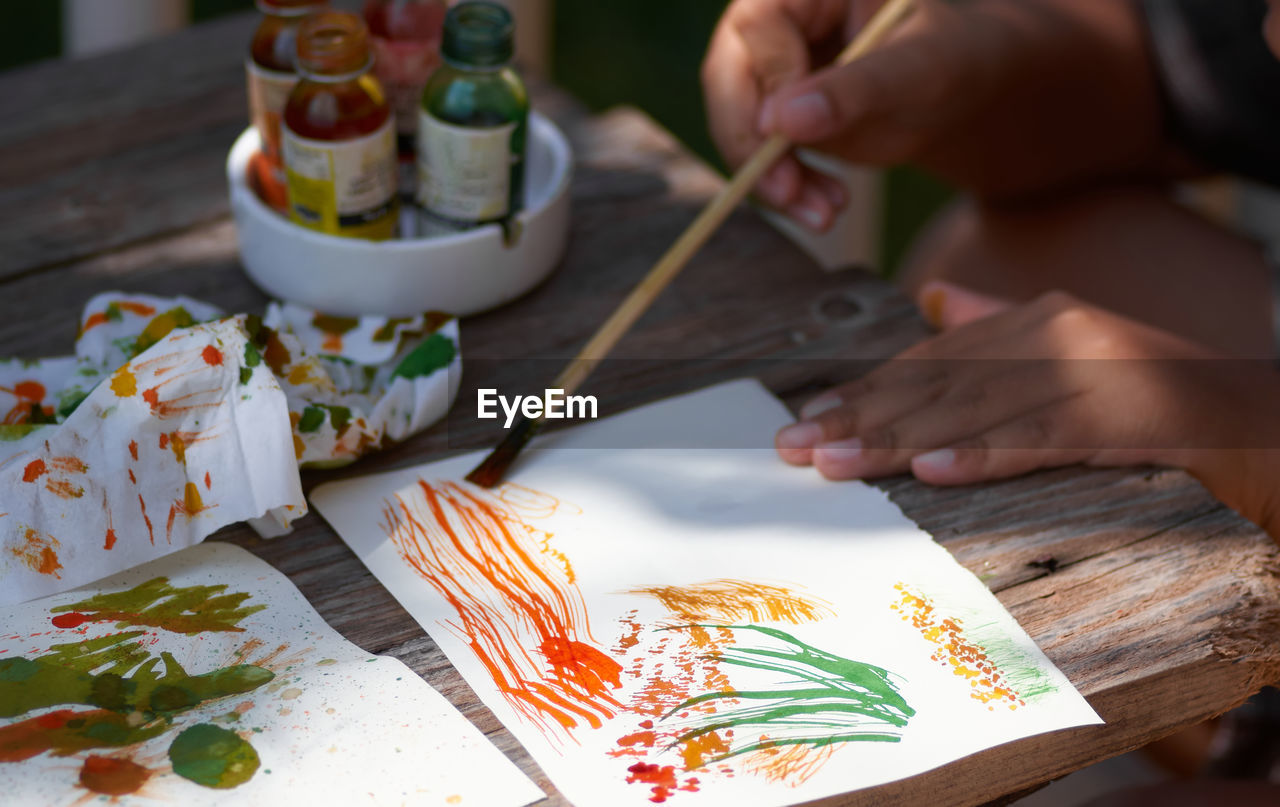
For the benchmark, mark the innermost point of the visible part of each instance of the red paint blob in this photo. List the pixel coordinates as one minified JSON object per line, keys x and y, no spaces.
{"x":35,"y":469}
{"x":113,"y":777}
{"x":31,"y":390}
{"x":211,"y":355}
{"x":72,"y":620}
{"x":152,"y":397}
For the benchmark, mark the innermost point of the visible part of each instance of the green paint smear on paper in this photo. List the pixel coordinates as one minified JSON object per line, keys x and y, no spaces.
{"x":213,"y":757}
{"x":313,"y":417}
{"x":388,"y":331}
{"x":10,"y":432}
{"x":160,"y":327}
{"x":332,"y":324}
{"x":433,"y":354}
{"x":158,"y":604}
{"x":252,"y":358}
{"x":822,"y":699}
{"x":150,"y":690}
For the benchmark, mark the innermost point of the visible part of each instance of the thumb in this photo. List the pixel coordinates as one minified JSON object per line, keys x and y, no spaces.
{"x":946,"y":305}
{"x":818,"y":107}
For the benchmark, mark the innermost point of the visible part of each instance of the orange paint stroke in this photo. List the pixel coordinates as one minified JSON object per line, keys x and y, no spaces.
{"x":150,"y":532}
{"x":109,"y":541}
{"x":64,"y":489}
{"x":29,"y":394}
{"x":100,"y":317}
{"x":190,"y":506}
{"x":133,"y":449}
{"x":522,"y":618}
{"x":69,"y":465}
{"x":737,"y":601}
{"x":955,"y":651}
{"x":790,"y":765}
{"x":211,"y":355}
{"x":38,"y":552}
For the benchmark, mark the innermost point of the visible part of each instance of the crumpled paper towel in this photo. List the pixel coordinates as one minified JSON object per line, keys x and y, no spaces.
{"x":172,"y":421}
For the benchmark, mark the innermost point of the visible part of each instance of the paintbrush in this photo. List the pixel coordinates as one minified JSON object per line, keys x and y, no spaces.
{"x":489,"y":472}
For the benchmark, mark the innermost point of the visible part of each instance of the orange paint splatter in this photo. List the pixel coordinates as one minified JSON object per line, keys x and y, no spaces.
{"x":38,"y":552}
{"x":211,"y":355}
{"x":332,"y":343}
{"x":477,"y":553}
{"x":791,"y":765}
{"x":110,"y":542}
{"x":34,"y":470}
{"x":953,"y":650}
{"x":29,"y":395}
{"x":737,"y":601}
{"x":663,"y":779}
{"x":208,"y":481}
{"x":112,"y":776}
{"x":100,"y":317}
{"x":70,"y":465}
{"x":133,"y":449}
{"x":64,"y":489}
{"x":132,"y":478}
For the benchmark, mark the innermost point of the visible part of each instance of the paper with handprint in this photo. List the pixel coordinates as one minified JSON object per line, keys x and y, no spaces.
{"x":206,"y":678}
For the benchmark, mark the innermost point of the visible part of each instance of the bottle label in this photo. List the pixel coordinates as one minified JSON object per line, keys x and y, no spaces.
{"x":268,"y":93}
{"x":344,"y":187}
{"x":464,"y":173}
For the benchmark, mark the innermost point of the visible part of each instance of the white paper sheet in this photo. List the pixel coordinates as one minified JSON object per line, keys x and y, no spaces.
{"x":703,"y":624}
{"x":205,"y":678}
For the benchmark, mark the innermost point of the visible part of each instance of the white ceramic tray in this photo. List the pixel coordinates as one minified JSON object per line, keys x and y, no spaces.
{"x":460,"y":274}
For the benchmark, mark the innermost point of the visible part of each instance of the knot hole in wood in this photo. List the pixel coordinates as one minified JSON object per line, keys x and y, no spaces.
{"x":839,"y":308}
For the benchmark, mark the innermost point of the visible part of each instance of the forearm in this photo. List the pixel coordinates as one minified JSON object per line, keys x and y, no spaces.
{"x":1068,"y":95}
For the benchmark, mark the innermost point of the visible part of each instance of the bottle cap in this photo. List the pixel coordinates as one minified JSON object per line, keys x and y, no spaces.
{"x":479,"y":34}
{"x":333,"y":43}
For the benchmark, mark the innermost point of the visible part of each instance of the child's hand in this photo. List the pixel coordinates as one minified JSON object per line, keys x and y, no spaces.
{"x":1009,"y":389}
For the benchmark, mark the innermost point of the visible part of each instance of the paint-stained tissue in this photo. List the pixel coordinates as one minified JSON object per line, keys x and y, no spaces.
{"x":205,"y":678}
{"x":701,"y":625}
{"x":172,"y":420}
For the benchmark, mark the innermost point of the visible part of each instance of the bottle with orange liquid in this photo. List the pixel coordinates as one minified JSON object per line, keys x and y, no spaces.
{"x":271,"y":76}
{"x":339,"y":136}
{"x":406,"y":49}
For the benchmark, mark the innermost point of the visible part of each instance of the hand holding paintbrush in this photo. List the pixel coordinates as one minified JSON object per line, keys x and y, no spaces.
{"x":495,"y":465}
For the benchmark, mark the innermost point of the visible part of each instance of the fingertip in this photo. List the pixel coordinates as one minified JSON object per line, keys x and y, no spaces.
{"x":942,"y":467}
{"x":780,"y":186}
{"x":803,"y":117}
{"x":839,"y":460}
{"x":767,"y":120}
{"x":813,"y":210}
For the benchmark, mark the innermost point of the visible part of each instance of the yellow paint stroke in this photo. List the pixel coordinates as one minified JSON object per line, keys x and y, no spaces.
{"x":954,"y":651}
{"x":735,"y":601}
{"x":123,"y":383}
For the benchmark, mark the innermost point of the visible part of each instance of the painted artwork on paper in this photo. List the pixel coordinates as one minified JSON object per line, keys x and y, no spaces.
{"x":701,"y":624}
{"x":205,"y":678}
{"x":172,"y":420}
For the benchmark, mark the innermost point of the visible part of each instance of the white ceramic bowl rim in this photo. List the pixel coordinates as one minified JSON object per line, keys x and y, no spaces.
{"x":539,"y":126}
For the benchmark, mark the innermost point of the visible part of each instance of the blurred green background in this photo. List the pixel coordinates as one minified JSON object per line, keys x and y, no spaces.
{"x":606,"y":52}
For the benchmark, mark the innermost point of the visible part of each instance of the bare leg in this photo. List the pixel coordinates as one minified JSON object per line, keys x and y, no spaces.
{"x":1128,"y":249}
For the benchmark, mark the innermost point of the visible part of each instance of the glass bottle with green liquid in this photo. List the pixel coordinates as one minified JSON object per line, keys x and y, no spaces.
{"x":473,"y":126}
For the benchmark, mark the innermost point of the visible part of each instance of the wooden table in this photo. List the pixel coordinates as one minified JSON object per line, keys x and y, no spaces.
{"x":1162,"y":606}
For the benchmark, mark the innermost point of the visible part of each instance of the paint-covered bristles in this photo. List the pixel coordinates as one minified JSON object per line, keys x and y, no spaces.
{"x":494,"y":467}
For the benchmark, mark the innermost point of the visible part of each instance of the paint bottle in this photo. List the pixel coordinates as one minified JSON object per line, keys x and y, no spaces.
{"x":473,"y":125}
{"x":405,"y":35}
{"x":339,"y":136}
{"x":271,"y":75}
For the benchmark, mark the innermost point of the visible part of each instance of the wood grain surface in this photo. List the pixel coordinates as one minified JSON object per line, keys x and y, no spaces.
{"x":1159,"y":604}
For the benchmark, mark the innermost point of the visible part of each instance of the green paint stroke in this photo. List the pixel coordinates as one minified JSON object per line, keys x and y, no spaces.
{"x":157,"y":604}
{"x":822,"y":699}
{"x":213,"y":757}
{"x":1022,"y":671}
{"x":134,"y":682}
{"x":313,"y":417}
{"x":436,"y":352}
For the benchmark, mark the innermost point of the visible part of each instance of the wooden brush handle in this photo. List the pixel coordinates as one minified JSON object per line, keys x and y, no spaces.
{"x":707,"y":222}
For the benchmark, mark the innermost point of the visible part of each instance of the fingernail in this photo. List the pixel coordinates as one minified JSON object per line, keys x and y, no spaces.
{"x":823,"y":403}
{"x":801,"y":435}
{"x":808,"y":112}
{"x":765,"y":123}
{"x":811,"y":217}
{"x":939,"y":460}
{"x":839,"y":457}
